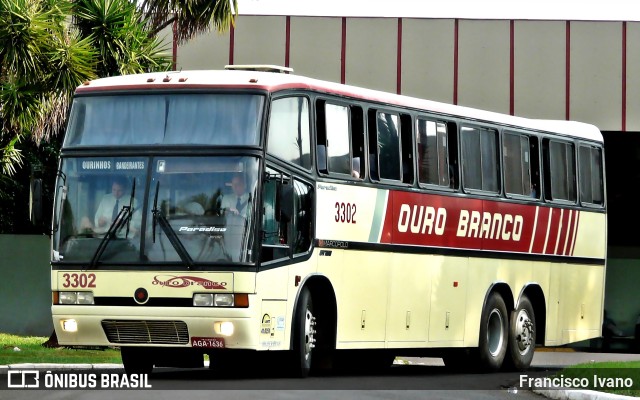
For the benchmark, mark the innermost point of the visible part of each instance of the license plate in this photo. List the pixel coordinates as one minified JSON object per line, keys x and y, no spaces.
{"x":207,"y":342}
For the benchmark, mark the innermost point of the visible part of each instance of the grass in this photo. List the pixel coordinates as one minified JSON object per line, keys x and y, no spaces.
{"x":31,"y":351}
{"x":610,"y":377}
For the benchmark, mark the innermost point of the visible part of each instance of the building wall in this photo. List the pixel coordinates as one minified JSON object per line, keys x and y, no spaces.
{"x":539,"y":69}
{"x":316,"y":45}
{"x":483,"y":69}
{"x":596,"y":67}
{"x":25,"y":287}
{"x":632,"y":93}
{"x":427,"y":59}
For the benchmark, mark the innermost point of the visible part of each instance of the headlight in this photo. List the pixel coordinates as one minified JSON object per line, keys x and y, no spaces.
{"x":68,"y":297}
{"x":223,"y":300}
{"x":202,"y":300}
{"x":214,"y":300}
{"x":75,"y":298}
{"x":85,"y":298}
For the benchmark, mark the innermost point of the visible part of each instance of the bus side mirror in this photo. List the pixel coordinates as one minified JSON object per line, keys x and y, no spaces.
{"x":35,"y":201}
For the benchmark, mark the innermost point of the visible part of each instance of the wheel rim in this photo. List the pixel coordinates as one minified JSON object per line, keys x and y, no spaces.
{"x":309,"y":333}
{"x":495,"y":332}
{"x":523,"y":331}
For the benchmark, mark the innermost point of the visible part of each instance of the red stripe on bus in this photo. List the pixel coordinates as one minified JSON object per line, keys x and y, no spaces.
{"x":575,"y":232}
{"x":567,"y":226}
{"x":542,"y":228}
{"x":552,"y":235}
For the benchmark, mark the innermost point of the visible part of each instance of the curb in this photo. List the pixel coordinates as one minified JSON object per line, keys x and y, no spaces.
{"x":562,"y":394}
{"x":58,"y":367}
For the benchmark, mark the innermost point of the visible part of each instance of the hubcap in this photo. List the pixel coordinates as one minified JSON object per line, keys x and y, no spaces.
{"x":524,"y":331}
{"x":309,"y":333}
{"x":495,"y":333}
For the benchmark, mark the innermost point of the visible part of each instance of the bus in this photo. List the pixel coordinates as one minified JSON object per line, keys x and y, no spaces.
{"x":249,"y":212}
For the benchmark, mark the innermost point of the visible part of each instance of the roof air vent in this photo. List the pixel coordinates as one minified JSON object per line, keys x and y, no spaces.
{"x":260,"y":67}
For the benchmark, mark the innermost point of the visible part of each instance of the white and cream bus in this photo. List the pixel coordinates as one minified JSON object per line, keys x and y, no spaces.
{"x":245,"y":212}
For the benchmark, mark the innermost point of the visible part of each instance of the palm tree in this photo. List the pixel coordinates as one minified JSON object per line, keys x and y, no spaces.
{"x":121,"y":36}
{"x":42,"y":59}
{"x":190,"y":17}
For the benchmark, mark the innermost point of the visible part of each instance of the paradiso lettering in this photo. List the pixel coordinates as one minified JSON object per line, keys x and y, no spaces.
{"x":472,"y":224}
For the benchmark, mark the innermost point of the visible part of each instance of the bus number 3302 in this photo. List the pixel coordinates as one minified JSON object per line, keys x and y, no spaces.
{"x":79,"y":280}
{"x":345,"y":212}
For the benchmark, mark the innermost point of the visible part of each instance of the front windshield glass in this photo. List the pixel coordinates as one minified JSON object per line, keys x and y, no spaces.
{"x":179,"y":210}
{"x":165,"y":119}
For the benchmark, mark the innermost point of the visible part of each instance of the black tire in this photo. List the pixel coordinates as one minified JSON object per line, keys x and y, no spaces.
{"x":136,"y":360}
{"x":522,"y":336}
{"x":304,"y":332}
{"x":494,"y":325}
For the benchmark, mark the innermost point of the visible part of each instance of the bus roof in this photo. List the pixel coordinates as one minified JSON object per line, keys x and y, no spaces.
{"x":273,"y":82}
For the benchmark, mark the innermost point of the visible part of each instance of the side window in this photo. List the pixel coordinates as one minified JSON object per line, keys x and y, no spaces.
{"x":289,"y":134}
{"x":384,"y":146}
{"x":480,"y":159}
{"x":591,"y":181}
{"x":340,"y":141}
{"x":520,"y":161}
{"x":560,"y":171}
{"x":433,"y":153}
{"x":277,"y":213}
{"x":302,"y":217}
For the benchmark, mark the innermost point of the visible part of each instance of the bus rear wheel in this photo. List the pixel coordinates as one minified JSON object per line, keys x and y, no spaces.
{"x":494,"y":326}
{"x":522,"y":336}
{"x":304,"y":340}
{"x":136,"y":360}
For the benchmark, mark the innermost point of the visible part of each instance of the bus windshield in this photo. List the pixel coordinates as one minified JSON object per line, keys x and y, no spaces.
{"x":165,"y":119}
{"x":139,"y":210}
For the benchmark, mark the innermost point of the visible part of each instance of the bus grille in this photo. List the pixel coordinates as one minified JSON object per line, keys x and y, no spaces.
{"x":146,"y":332}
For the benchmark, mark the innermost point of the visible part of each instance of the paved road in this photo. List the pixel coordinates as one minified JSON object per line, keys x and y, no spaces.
{"x":418,"y":379}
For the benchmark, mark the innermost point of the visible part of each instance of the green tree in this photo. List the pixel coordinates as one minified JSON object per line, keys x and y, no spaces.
{"x":121,"y":36}
{"x":190,"y":17}
{"x":47,"y":49}
{"x":42,"y":59}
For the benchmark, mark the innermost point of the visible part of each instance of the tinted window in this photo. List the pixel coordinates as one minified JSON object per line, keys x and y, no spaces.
{"x":433,"y":160}
{"x":210,"y":119}
{"x":480,"y":159}
{"x":591,"y":182}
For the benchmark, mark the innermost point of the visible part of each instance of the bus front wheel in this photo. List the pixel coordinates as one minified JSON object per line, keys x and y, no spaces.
{"x":522,"y":336}
{"x":494,"y":326}
{"x":304,"y":334}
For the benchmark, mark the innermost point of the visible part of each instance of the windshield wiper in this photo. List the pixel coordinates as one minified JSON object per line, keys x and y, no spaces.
{"x":123,"y":217}
{"x":158,"y":217}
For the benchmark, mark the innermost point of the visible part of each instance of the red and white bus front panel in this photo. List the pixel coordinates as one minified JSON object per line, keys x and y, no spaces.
{"x":349,"y":214}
